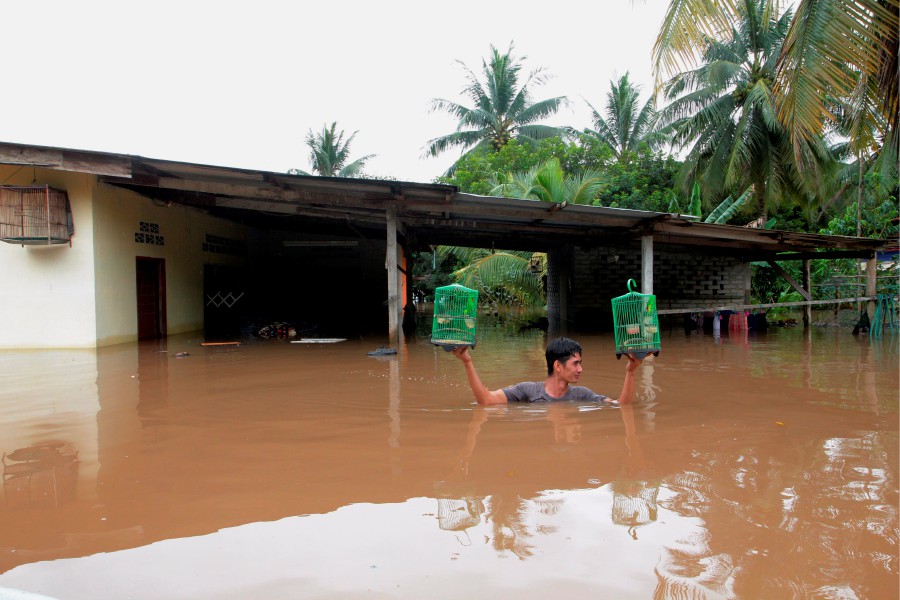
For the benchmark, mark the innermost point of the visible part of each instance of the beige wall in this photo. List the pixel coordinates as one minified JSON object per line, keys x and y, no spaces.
{"x":84,"y":296}
{"x":47,"y":293}
{"x":118,"y":217}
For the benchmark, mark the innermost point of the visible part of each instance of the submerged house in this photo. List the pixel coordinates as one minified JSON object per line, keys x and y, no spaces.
{"x":105,"y":248}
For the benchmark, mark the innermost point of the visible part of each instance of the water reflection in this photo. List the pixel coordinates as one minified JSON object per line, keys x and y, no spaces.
{"x":750,"y":466}
{"x":40,"y":476}
{"x":503,"y":498}
{"x":636,"y":488}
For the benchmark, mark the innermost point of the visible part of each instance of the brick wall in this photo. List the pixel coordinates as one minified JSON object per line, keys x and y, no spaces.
{"x":683,"y":278}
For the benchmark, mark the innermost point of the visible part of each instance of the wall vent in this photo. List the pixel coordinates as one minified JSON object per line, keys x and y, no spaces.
{"x":36,"y":215}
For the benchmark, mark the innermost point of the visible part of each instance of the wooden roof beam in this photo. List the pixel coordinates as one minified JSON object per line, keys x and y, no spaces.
{"x":61,"y":159}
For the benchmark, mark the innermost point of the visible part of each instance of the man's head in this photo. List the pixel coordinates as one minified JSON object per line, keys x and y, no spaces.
{"x":561,"y":349}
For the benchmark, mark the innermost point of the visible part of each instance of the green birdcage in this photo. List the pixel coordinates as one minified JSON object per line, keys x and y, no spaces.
{"x":455,"y":312}
{"x":636,"y":323}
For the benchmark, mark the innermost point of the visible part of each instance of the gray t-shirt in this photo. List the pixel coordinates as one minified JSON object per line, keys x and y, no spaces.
{"x":533,"y":391}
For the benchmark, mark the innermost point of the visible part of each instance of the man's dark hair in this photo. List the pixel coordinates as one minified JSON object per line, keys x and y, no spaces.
{"x":560,"y":349}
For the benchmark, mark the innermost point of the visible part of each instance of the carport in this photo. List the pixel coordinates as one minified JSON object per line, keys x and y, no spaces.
{"x":414,"y":216}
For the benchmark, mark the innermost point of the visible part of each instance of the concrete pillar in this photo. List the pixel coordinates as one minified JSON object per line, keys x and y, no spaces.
{"x":647,"y":264}
{"x":871,"y":287}
{"x":393,"y":287}
{"x":807,"y":309}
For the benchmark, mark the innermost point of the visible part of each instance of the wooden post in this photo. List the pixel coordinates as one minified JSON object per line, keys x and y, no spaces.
{"x":807,"y":310}
{"x":390,"y":265}
{"x":647,"y":264}
{"x":871,"y":288}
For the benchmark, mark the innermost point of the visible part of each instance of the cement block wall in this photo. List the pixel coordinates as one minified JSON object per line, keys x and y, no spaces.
{"x":683,"y":278}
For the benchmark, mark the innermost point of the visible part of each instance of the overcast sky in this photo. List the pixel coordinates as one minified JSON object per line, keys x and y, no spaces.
{"x":239,"y":84}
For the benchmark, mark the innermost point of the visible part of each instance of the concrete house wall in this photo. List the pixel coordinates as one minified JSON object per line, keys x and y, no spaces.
{"x":178,"y":234}
{"x":682,"y":278}
{"x":84,"y":295}
{"x":47,"y":293}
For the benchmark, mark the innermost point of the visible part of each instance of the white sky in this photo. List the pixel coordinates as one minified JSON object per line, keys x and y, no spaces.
{"x":239,"y":84}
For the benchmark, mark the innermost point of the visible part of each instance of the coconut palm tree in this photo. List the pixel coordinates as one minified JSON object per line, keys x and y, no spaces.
{"x":502,"y":108}
{"x":725,"y":112}
{"x":627,"y":124}
{"x":849,"y":49}
{"x":838,"y":48}
{"x":328,"y":153}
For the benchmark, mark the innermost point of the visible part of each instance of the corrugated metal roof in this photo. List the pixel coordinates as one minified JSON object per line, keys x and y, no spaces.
{"x":430,"y":214}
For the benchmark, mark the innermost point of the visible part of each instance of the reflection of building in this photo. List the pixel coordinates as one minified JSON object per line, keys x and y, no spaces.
{"x":50,"y":405}
{"x":40,"y":476}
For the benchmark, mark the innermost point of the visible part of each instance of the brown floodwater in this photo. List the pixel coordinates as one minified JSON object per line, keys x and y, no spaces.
{"x":750,"y":466}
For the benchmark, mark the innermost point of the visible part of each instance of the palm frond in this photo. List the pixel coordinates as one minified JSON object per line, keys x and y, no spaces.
{"x":686,"y":26}
{"x":503,"y":269}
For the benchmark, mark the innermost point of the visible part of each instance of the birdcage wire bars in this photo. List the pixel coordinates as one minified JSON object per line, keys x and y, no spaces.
{"x":636,"y":323}
{"x":35,"y":215}
{"x":455,"y":316}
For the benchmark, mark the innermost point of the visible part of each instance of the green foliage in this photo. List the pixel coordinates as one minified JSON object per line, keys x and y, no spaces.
{"x":502,"y":277}
{"x":793,"y":218}
{"x":724,"y":112}
{"x":695,"y":208}
{"x":878,"y":219}
{"x":673,"y":205}
{"x":829,"y":278}
{"x":430,"y":272}
{"x":645,"y":182}
{"x":478,"y":171}
{"x":548,"y":182}
{"x":825,"y":37}
{"x":727,"y":209}
{"x":475,"y":172}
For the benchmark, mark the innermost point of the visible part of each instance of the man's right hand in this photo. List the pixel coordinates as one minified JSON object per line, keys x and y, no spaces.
{"x":462,"y":353}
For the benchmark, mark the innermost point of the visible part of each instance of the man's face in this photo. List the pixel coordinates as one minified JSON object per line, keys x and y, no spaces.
{"x":570,"y":370}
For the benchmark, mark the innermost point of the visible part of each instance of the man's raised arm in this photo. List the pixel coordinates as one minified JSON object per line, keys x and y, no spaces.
{"x":626,"y":396}
{"x":482,"y":394}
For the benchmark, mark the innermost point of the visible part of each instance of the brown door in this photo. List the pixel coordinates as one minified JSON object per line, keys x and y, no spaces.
{"x":151,"y":297}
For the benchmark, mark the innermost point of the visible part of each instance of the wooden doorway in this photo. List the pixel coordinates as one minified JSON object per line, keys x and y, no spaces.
{"x":151,"y":297}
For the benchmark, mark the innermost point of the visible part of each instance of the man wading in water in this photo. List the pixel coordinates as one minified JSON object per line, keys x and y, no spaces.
{"x":563,"y":371}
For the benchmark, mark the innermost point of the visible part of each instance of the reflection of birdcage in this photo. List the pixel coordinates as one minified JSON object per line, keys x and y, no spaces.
{"x":634,"y":503}
{"x":459,"y":514}
{"x":454,"y":322}
{"x":35,"y":215}
{"x":636,"y":323}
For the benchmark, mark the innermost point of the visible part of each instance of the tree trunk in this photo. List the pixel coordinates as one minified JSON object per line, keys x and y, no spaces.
{"x":759,"y":190}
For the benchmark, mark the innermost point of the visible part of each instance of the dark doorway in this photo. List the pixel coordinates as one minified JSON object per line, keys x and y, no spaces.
{"x":226,"y":301}
{"x":151,"y":297}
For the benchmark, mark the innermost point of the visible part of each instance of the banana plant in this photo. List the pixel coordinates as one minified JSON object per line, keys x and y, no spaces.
{"x":728,"y":207}
{"x":694,"y":207}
